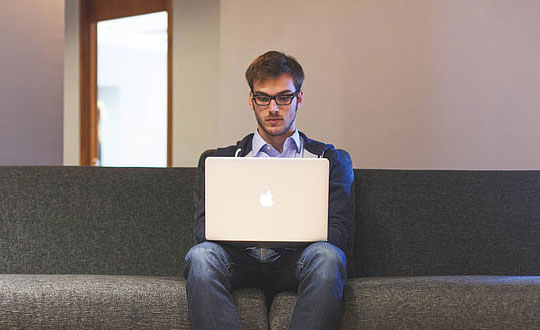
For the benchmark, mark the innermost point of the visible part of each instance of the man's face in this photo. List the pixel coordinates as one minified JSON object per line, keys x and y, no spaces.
{"x":276,"y":120}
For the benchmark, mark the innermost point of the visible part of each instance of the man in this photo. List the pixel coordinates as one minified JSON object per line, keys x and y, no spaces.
{"x":318,"y":271}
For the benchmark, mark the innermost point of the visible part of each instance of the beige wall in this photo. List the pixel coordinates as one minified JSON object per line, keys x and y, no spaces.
{"x":195,"y":78}
{"x":31,"y":57}
{"x":72,"y":138}
{"x":399,"y":84}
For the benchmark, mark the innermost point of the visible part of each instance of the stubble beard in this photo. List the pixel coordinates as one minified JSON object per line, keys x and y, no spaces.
{"x":260,"y":121}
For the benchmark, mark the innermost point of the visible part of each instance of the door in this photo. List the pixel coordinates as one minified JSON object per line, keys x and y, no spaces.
{"x":126,"y":83}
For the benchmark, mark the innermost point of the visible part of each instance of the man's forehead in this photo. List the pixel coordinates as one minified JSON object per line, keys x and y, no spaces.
{"x":283,"y":81}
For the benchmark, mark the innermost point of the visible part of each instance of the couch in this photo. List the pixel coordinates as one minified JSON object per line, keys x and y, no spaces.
{"x":103,"y":248}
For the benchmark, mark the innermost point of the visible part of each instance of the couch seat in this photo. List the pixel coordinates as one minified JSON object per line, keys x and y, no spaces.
{"x":439,"y":302}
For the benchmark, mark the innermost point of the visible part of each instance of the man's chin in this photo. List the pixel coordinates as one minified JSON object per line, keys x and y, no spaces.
{"x":276,"y":131}
{"x":272,"y":130}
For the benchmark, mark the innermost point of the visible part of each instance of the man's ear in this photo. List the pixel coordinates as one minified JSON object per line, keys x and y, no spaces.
{"x":300,"y":99}
{"x":251,"y":100}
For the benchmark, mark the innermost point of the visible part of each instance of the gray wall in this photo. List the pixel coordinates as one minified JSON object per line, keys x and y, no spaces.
{"x":31,"y":81}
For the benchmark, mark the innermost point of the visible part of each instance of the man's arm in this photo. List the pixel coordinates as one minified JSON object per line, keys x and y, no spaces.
{"x":341,"y":199}
{"x":199,"y":229}
{"x":200,"y":235}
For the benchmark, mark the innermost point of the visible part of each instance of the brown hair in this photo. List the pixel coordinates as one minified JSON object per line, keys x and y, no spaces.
{"x":273,"y":64}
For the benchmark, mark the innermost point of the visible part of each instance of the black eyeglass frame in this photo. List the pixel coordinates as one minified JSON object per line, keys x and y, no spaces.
{"x":291,"y":97}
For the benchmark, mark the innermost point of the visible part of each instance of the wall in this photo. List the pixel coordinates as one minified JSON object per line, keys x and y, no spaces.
{"x":31,"y":80}
{"x":72,"y":112}
{"x":195,"y":73}
{"x":399,"y":84}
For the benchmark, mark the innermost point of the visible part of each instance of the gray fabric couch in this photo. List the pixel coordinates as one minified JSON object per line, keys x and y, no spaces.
{"x":102,"y":248}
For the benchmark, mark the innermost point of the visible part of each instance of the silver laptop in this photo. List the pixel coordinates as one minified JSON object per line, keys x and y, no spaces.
{"x":266,"y":201}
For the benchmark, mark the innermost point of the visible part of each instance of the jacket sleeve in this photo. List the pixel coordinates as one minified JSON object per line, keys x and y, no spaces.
{"x":200,"y":231}
{"x":341,"y":206}
{"x":198,"y":198}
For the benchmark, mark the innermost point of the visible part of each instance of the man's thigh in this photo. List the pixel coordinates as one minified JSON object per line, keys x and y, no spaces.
{"x":285,"y":274}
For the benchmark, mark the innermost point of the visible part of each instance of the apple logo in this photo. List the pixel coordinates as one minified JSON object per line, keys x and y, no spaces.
{"x":266,"y":199}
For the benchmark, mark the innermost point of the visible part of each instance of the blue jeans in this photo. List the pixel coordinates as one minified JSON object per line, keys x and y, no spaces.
{"x":317,"y":273}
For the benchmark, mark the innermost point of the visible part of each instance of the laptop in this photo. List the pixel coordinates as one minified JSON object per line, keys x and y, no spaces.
{"x":266,"y":202}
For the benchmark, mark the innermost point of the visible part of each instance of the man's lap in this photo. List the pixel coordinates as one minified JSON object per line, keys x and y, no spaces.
{"x":281,"y":275}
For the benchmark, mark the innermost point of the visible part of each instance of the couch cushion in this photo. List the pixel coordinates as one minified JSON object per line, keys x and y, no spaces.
{"x":252,"y":309}
{"x":109,"y":302}
{"x":92,"y":302}
{"x":281,"y":310}
{"x":416,"y":303}
{"x":458,"y":302}
{"x":429,"y":223}
{"x":88,"y":220}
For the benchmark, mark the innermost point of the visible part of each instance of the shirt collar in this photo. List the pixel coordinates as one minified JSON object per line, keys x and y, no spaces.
{"x":258,"y":142}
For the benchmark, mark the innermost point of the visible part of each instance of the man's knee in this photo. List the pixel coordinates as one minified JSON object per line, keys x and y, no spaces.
{"x":324,"y":260}
{"x":204,"y":258}
{"x":325,"y":252}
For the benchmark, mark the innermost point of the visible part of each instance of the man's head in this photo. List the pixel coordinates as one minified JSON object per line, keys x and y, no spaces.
{"x":271,"y":65}
{"x":275,"y":80}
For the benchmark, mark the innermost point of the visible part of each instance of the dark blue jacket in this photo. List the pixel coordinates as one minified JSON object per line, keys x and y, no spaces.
{"x":341,"y":196}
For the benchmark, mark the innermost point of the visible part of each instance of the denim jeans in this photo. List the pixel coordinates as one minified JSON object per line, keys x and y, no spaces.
{"x":317,"y":272}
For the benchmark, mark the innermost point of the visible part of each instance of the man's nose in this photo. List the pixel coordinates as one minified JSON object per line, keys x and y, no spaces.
{"x":273,"y":106}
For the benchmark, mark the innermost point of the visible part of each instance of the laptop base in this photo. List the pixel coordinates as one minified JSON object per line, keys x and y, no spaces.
{"x":268,"y":245}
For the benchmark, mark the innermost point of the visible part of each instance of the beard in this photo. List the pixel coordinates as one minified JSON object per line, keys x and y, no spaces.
{"x":283,"y":130}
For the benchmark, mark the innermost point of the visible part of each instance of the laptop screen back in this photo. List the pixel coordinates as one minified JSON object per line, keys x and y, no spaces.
{"x":266,"y":199}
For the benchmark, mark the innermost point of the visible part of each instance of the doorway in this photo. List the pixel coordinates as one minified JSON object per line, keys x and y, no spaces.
{"x":126,"y":83}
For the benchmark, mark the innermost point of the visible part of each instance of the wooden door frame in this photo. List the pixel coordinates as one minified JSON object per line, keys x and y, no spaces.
{"x":92,"y":11}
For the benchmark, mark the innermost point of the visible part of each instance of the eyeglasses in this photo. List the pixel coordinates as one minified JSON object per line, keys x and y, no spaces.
{"x":280,"y":99}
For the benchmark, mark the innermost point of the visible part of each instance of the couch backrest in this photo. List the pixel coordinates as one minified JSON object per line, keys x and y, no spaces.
{"x":69,"y":220}
{"x":139,"y":221}
{"x":447,"y":223}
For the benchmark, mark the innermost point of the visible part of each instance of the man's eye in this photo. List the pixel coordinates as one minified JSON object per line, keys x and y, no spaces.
{"x":263,"y":99}
{"x":283,"y":98}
